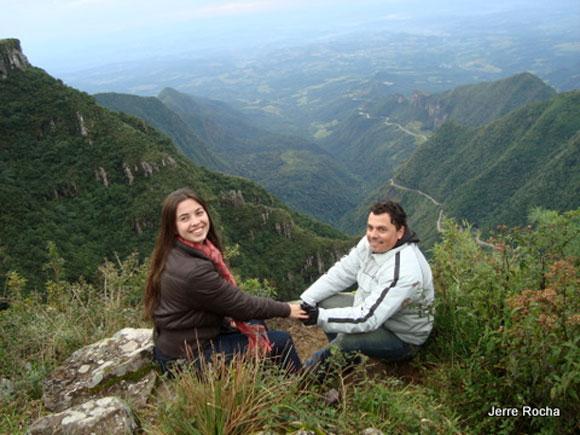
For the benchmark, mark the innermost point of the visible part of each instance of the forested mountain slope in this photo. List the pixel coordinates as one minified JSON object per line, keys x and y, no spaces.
{"x":92,"y":181}
{"x":383,"y":133}
{"x":300,"y":173}
{"x":496,"y":173}
{"x":156,"y":114}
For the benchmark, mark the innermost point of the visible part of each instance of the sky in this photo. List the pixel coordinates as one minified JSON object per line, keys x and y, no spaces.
{"x":75,"y":33}
{"x":72,"y":35}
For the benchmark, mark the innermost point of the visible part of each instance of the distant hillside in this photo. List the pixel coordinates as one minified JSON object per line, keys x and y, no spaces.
{"x":496,"y":173}
{"x":155,"y":113}
{"x":92,"y":182}
{"x":471,"y":105}
{"x":383,"y":134}
{"x":300,"y":173}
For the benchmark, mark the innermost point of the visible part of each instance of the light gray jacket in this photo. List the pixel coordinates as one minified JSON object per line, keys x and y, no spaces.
{"x":395,"y":291}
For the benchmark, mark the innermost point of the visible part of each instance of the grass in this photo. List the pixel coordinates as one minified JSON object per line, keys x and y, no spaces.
{"x":248,"y":395}
{"x":507,"y":328}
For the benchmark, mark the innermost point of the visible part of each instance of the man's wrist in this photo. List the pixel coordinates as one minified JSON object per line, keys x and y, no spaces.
{"x":308,"y":300}
{"x":312,"y":311}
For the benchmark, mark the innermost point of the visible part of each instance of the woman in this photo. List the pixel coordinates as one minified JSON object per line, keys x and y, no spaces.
{"x":192,"y":296}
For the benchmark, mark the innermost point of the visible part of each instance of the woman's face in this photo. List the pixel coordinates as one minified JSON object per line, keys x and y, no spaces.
{"x":192,"y":221}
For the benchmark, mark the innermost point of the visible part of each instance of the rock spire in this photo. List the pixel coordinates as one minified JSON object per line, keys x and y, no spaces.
{"x":11,"y":57}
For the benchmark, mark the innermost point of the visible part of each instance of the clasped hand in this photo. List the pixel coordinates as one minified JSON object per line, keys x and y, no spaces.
{"x":304,"y":312}
{"x":312,"y":312}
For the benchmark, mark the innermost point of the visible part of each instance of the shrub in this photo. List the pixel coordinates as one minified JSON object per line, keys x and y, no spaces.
{"x":39,"y":334}
{"x":507,"y":323}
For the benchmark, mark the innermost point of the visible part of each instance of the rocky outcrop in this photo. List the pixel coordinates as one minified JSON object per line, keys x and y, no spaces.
{"x":235,"y":198}
{"x":116,"y":366}
{"x":108,"y":415}
{"x":92,"y":390}
{"x":284,"y":229}
{"x":432,"y":106}
{"x":11,"y":57}
{"x":83,"y":127}
{"x":65,"y":190}
{"x":128,"y":173}
{"x":101,"y":176}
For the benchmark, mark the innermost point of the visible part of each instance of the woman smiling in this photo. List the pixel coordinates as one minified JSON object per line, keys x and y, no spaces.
{"x":194,"y":301}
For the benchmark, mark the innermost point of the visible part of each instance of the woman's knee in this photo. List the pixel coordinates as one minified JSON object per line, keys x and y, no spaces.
{"x":280,"y":339}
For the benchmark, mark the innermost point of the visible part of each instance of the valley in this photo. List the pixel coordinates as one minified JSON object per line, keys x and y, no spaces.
{"x":336,"y":179}
{"x":331,"y":125}
{"x":290,"y":119}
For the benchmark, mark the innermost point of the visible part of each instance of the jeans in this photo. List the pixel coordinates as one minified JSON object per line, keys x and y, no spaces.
{"x":380,"y":343}
{"x":231,"y":343}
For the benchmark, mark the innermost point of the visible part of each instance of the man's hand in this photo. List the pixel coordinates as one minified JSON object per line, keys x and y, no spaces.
{"x":312,"y":313}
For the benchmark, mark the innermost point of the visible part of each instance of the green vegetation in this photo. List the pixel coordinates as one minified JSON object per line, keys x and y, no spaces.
{"x":489,"y":175}
{"x":370,"y":147}
{"x":218,"y":137}
{"x":507,"y":324}
{"x":87,"y":183}
{"x":506,"y":335}
{"x":81,"y":187}
{"x":156,"y":114}
{"x":494,"y":174}
{"x":300,"y":173}
{"x":248,"y":395}
{"x":38,"y":334}
{"x":471,"y":105}
{"x":381,"y":135}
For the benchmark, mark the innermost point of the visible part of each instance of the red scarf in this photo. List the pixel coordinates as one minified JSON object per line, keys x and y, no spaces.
{"x":257,"y":337}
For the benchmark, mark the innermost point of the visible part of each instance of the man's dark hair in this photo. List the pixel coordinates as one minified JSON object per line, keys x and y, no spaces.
{"x":395,"y":211}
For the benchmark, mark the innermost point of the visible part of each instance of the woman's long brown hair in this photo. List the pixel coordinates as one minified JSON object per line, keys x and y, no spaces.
{"x":165,"y":242}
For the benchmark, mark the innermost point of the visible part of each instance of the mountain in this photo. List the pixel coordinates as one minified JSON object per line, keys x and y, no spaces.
{"x":156,"y":114}
{"x":496,"y":173}
{"x":471,"y":105}
{"x":300,"y":173}
{"x":306,"y":86}
{"x":91,"y":181}
{"x":383,"y":134}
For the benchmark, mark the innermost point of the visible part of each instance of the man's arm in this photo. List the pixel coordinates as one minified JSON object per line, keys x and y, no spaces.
{"x":339,"y":277}
{"x":377,"y":308}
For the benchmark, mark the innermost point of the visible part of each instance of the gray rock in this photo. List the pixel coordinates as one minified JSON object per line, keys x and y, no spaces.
{"x":6,"y":389}
{"x":332,"y":397}
{"x":107,"y":415}
{"x":371,"y":431}
{"x":11,"y":57}
{"x":116,"y":366}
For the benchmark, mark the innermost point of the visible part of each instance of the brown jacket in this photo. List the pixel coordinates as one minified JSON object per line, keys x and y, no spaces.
{"x":194,"y":299}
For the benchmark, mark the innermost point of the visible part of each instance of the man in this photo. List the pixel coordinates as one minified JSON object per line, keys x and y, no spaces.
{"x":390,"y":315}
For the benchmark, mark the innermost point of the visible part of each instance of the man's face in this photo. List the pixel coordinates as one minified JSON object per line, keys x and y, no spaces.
{"x":381,"y":233}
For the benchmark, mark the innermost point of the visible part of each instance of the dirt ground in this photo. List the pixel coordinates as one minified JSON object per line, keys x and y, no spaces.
{"x":309,"y":339}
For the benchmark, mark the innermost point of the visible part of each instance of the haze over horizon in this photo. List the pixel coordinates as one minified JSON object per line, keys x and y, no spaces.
{"x":72,"y":35}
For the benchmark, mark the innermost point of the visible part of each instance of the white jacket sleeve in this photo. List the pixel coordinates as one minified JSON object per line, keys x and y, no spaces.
{"x":377,"y":308}
{"x":339,"y":277}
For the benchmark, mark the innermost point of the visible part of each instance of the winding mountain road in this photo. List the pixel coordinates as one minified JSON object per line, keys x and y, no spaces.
{"x":441,"y":214}
{"x":405,"y":130}
{"x":429,"y":197}
{"x":388,"y":122}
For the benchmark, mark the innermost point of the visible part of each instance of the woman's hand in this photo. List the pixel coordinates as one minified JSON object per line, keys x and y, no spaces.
{"x":297,"y":313}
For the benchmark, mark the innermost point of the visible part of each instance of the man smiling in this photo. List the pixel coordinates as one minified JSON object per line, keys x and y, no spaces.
{"x":390,"y":314}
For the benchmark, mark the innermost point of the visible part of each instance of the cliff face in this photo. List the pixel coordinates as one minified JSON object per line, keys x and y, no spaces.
{"x":11,"y":57}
